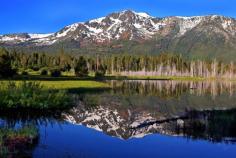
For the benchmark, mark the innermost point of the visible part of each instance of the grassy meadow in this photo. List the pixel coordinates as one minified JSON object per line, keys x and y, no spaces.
{"x":44,"y":92}
{"x":64,"y":85}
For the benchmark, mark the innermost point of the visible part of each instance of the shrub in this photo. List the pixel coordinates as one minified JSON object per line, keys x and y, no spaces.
{"x":31,"y":95}
{"x":99,"y":74}
{"x":44,"y":72}
{"x":25,"y":73}
{"x":56,"y":72}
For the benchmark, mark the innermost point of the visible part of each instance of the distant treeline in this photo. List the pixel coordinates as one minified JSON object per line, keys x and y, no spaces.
{"x":164,"y":64}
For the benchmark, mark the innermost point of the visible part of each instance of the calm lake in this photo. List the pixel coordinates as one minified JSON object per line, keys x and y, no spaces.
{"x":138,"y":119}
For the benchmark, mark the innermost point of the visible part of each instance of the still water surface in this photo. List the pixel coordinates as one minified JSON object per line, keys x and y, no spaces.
{"x":140,"y":119}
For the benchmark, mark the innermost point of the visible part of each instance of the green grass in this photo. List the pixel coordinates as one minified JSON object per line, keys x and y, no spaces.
{"x":43,"y":95}
{"x":67,"y":84}
{"x":74,"y":84}
{"x":32,"y":95}
{"x":29,"y":71}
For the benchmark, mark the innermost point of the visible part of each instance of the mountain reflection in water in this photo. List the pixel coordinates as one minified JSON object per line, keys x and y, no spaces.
{"x":137,"y":108}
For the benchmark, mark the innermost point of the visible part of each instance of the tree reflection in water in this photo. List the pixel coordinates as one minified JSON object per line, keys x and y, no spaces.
{"x":138,"y":108}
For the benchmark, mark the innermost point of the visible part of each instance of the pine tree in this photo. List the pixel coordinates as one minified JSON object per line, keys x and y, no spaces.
{"x":81,"y":68}
{"x":5,"y":64}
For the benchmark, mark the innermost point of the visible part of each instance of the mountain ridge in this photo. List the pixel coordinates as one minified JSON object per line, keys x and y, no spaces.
{"x":129,"y":30}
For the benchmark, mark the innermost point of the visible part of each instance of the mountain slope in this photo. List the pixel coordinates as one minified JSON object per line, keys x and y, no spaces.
{"x":132,"y":32}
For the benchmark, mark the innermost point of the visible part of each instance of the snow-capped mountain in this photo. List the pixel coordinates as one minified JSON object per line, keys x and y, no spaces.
{"x":23,"y":37}
{"x":175,"y":34}
{"x":123,"y":25}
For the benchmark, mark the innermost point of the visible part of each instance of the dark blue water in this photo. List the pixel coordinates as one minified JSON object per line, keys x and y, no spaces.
{"x":67,"y":140}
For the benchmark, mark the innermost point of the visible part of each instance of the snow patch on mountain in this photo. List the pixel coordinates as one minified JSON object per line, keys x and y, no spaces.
{"x":226,"y":24}
{"x":142,"y":14}
{"x":36,"y":36}
{"x":66,"y":30}
{"x":99,"y":20}
{"x":188,"y":23}
{"x":16,"y":39}
{"x":94,"y":30}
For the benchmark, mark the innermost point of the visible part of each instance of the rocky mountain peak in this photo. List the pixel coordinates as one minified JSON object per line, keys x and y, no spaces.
{"x":129,"y":25}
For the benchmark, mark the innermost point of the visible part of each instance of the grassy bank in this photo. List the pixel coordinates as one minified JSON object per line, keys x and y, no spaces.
{"x":184,"y":78}
{"x":43,"y":95}
{"x":32,"y":95}
{"x":156,"y":78}
{"x":67,"y":84}
{"x":167,"y":78}
{"x":74,"y":84}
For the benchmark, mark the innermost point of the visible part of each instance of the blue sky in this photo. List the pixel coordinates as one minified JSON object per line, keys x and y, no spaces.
{"x":45,"y":16}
